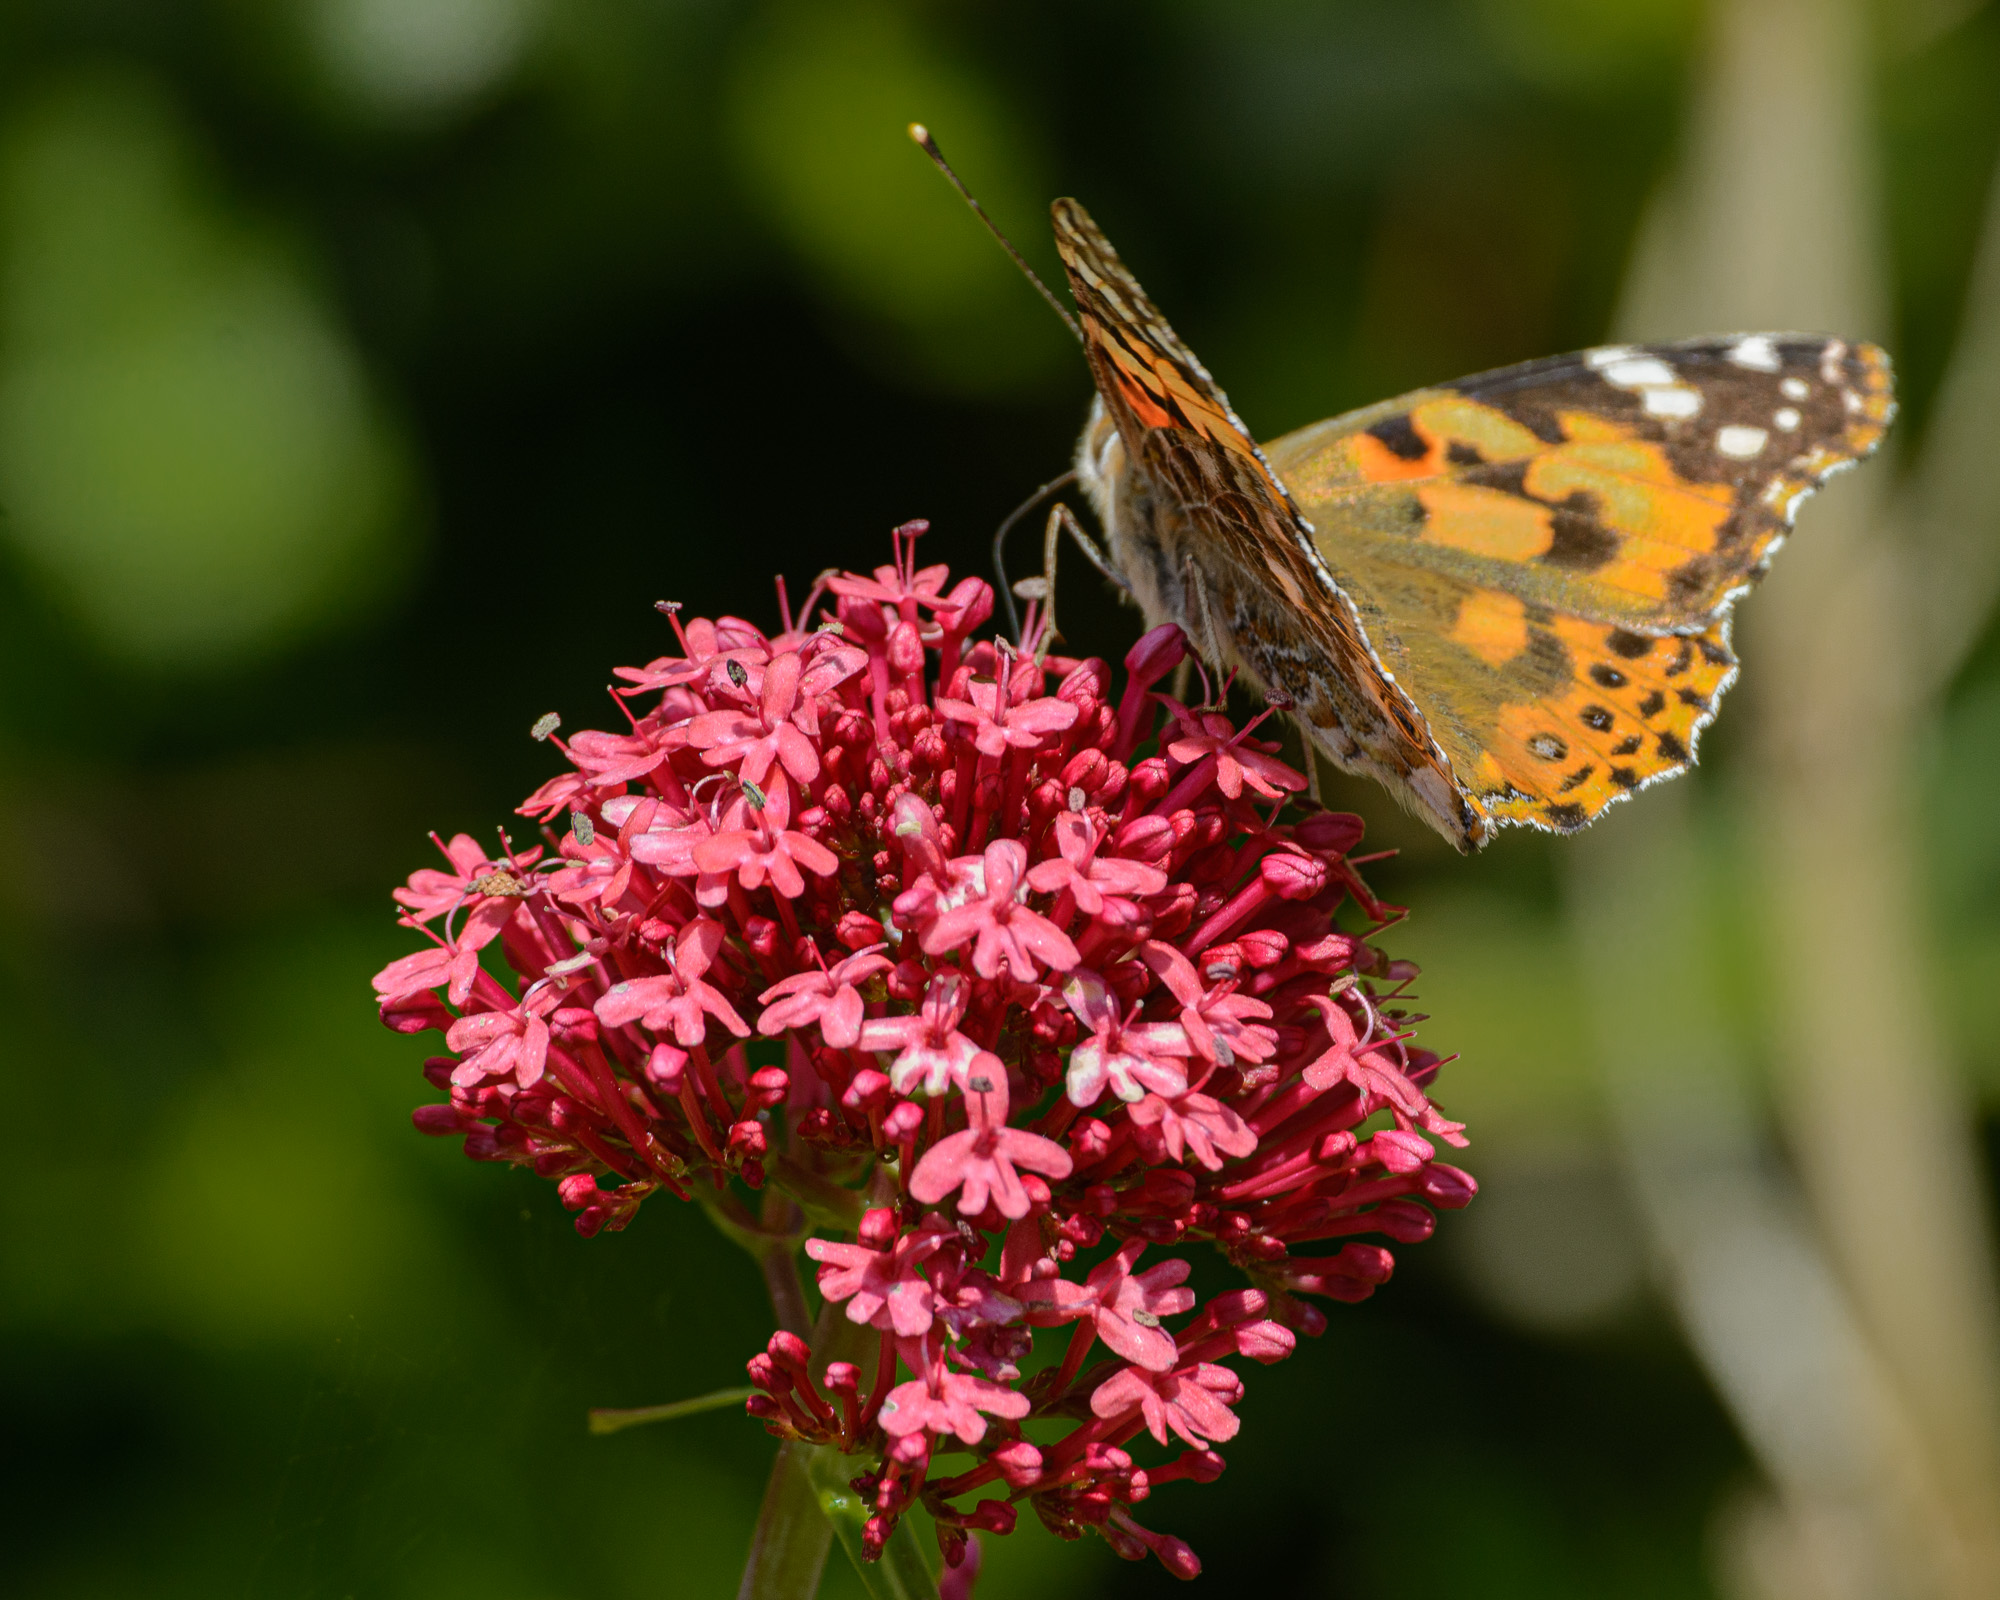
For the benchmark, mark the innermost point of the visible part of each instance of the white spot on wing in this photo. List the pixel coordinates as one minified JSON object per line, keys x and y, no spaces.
{"x":1671,"y":401}
{"x":1604,"y":355}
{"x":1638,"y":372}
{"x":1740,"y":442}
{"x":1756,"y":352}
{"x":1795,"y":388}
{"x":1786,"y":418}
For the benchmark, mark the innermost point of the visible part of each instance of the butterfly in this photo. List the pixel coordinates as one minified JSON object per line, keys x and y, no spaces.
{"x":1506,"y":598}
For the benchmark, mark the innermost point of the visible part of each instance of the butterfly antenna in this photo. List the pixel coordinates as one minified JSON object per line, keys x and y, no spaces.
{"x":922,"y":136}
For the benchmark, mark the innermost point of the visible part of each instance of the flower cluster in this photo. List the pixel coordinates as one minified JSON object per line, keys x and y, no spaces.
{"x":994,"y":978}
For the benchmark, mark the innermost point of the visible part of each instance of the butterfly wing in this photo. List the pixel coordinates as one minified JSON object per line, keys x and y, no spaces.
{"x":1545,"y":556}
{"x":1221,"y":514}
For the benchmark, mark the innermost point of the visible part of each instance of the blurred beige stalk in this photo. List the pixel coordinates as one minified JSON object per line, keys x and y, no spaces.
{"x":1855,"y":1337}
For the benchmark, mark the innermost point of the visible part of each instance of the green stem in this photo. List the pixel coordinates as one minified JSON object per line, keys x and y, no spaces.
{"x":808,"y":1498}
{"x":902,"y":1573}
{"x":788,"y":1552}
{"x":609,"y":1419}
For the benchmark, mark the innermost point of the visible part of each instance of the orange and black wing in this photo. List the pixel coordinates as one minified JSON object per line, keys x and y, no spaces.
{"x":1545,"y":556}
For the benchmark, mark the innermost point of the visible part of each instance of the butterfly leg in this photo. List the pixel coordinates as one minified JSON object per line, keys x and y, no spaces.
{"x":1061,"y":520}
{"x":1096,"y":557}
{"x":1043,"y":626}
{"x":1006,"y":590}
{"x":1310,"y":752}
{"x":1198,"y":589}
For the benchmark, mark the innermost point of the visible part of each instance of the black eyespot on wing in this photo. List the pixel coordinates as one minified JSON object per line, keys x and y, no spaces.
{"x":1548,"y":747}
{"x":1606,"y":676}
{"x":1623,"y":642}
{"x":1714,"y":654}
{"x":1625,"y":777}
{"x":1671,"y":748}
{"x":1576,"y":778}
{"x":1461,"y":454}
{"x":1655,"y":703}
{"x":1691,"y":697}
{"x":1567,"y":815}
{"x":1596,"y":718}
{"x":1627,"y":747}
{"x":1401,"y":438}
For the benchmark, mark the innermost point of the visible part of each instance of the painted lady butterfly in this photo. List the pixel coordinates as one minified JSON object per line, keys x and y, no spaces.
{"x":1508,"y":597}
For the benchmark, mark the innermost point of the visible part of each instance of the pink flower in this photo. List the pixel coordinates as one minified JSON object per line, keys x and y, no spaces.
{"x":1129,"y":1058}
{"x":901,"y":584}
{"x":452,"y":966}
{"x":951,"y":1404}
{"x":1238,"y":760}
{"x":1101,"y":887}
{"x":1194,"y":1403}
{"x":751,"y":742}
{"x":882,"y":1288}
{"x":667,"y":840}
{"x":1222,"y":1025}
{"x":503,"y":1044}
{"x":829,"y":998}
{"x":1194,"y":1124}
{"x":767,"y":849}
{"x":931,"y":1052}
{"x":982,"y":1159}
{"x":1371,"y":1072}
{"x":598,"y":871}
{"x":431,"y":891}
{"x":1006,"y":931}
{"x":1127,"y":1310}
{"x":677,"y":999}
{"x":614,"y":758}
{"x":1000,"y":727}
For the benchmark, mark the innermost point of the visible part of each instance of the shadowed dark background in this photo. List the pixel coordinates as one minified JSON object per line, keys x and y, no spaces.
{"x":368,"y":368}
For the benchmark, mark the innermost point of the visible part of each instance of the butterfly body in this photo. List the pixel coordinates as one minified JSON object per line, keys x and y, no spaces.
{"x":1506,"y":598}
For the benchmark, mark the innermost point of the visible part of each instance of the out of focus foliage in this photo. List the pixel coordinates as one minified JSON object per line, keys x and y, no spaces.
{"x":369,"y":367}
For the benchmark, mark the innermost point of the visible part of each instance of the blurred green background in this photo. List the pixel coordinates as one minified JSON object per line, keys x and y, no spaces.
{"x":369,"y":367}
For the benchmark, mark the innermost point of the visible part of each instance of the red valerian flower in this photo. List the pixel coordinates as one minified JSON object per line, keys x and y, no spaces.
{"x":1126,"y":1310}
{"x":1128,"y":1057}
{"x":930,"y":1052}
{"x":949,"y":1402}
{"x":1002,"y":976}
{"x":983,"y":1160}
{"x":1193,"y":1402}
{"x":996,"y":917}
{"x":829,"y":998}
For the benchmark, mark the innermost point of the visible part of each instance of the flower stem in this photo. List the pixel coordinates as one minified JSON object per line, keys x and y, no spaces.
{"x":788,"y":1294}
{"x":788,"y":1552}
{"x":610,"y":1419}
{"x":901,"y":1573}
{"x":781,"y":1264}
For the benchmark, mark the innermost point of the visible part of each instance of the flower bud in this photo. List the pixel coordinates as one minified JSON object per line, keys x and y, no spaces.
{"x":665,"y":1066}
{"x":1292,"y":877}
